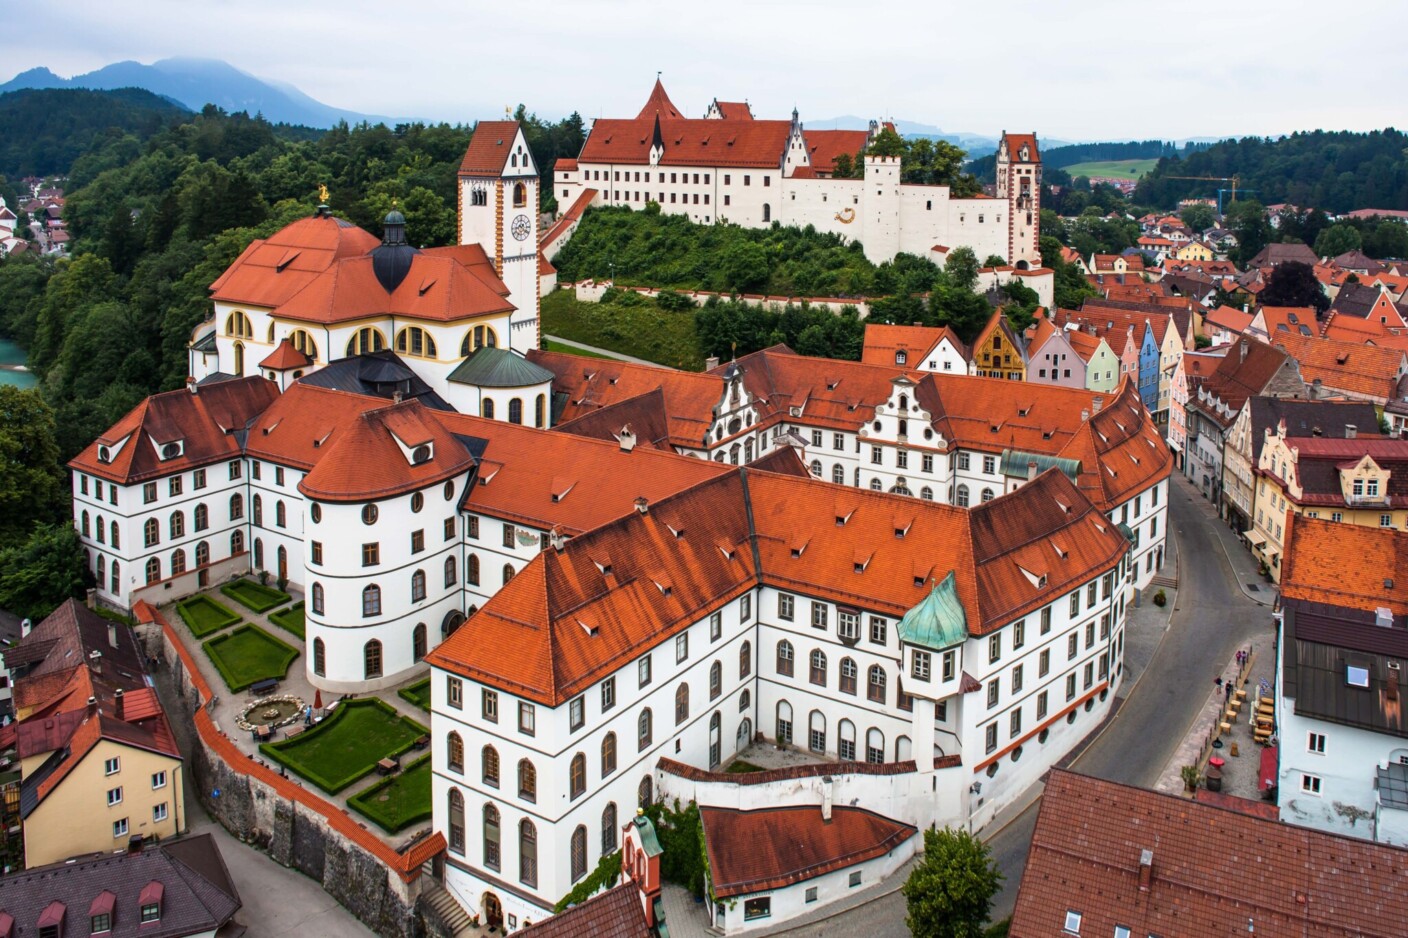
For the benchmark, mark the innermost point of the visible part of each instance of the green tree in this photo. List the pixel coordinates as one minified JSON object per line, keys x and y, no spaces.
{"x":41,"y":571}
{"x":995,"y":260}
{"x":961,"y":268}
{"x":744,"y":266}
{"x":1294,"y":284}
{"x":1337,"y":239}
{"x":949,"y":893}
{"x":1247,"y":220}
{"x":1198,"y":217}
{"x":886,"y":143}
{"x":31,"y":481}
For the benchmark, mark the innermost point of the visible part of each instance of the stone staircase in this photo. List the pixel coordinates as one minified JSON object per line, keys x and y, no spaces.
{"x":443,"y":915}
{"x":1169,"y":582}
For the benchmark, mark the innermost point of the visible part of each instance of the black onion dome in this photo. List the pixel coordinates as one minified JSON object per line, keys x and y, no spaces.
{"x":392,"y":260}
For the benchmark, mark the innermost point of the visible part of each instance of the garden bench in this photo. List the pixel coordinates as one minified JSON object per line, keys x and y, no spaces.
{"x":422,"y":742}
{"x":387,"y":766}
{"x":294,"y":730}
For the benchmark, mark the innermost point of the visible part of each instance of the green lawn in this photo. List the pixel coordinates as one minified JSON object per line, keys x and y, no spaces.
{"x":249,"y":655}
{"x":399,"y":801}
{"x":253,"y":596}
{"x":290,"y":619}
{"x":348,"y":744}
{"x":204,"y":615}
{"x":572,"y":350}
{"x":640,"y":329}
{"x":418,"y":694}
{"x":1114,"y":169}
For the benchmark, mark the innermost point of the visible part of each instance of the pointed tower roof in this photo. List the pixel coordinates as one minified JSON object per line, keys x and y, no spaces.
{"x":659,"y":104}
{"x":939,"y":621}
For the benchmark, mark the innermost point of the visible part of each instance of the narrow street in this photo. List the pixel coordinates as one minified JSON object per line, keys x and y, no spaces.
{"x":1212,"y":617}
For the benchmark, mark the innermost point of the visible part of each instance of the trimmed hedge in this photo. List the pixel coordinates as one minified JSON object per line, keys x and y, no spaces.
{"x":347,"y":745}
{"x":249,"y":655}
{"x":407,"y":802}
{"x":204,"y":615}
{"x":417,"y":694}
{"x":290,"y":619}
{"x":254,"y":596}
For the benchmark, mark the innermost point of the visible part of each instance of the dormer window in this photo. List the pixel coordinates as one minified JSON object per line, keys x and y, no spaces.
{"x":1356,"y":674}
{"x":171,"y":450}
{"x":150,"y":901}
{"x":901,"y":358}
{"x":104,"y":454}
{"x":421,"y":454}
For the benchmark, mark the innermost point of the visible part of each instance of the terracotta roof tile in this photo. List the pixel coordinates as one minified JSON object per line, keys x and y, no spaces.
{"x":615,"y":913}
{"x":658,"y":103}
{"x":825,"y":146}
{"x":488,"y":150}
{"x":1315,"y":568}
{"x":436,"y":288}
{"x":273,"y":269}
{"x":882,"y":341}
{"x":1354,"y":368}
{"x":285,"y":358}
{"x":758,"y":144}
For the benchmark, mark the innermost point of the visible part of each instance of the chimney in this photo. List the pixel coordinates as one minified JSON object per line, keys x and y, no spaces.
{"x":90,"y":598}
{"x":191,"y":385}
{"x":1383,"y":617}
{"x":1243,"y":348}
{"x":117,"y":704}
{"x":642,"y":505}
{"x":711,"y":363}
{"x":627,"y":439}
{"x":95,"y":661}
{"x":112,"y":634}
{"x":1095,"y":404}
{"x":826,"y":786}
{"x":1350,"y":431}
{"x":557,"y":539}
{"x":1146,"y":869}
{"x":1031,"y":470}
{"x":1084,"y":415}
{"x":92,"y":706}
{"x":396,"y":396}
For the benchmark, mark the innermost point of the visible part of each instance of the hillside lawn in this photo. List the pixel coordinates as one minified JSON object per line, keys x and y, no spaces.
{"x":1114,"y":169}
{"x":638,"y":327}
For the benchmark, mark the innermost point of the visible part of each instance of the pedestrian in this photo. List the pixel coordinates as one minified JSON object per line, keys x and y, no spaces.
{"x":1228,"y":687}
{"x":1218,"y":680}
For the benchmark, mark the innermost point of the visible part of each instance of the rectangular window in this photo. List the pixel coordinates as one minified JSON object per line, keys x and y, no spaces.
{"x":643,"y":671}
{"x":472,"y":527}
{"x":1070,"y":686}
{"x":994,"y":647}
{"x":174,"y":486}
{"x":920,"y":665}
{"x":990,"y":738}
{"x":1073,"y":922}
{"x":1072,"y":645}
{"x":811,"y":894}
{"x":1089,"y":674}
{"x":577,"y":713}
{"x":112,"y":766}
{"x":745,"y":608}
{"x":508,"y":535}
{"x":1017,"y":679}
{"x":119,"y":829}
{"x":1019,"y":634}
{"x":159,"y":813}
{"x":993,"y":690}
{"x":450,"y":528}
{"x":747,"y":179}
{"x":1046,"y":620}
{"x":1310,"y":784}
{"x":681,"y":647}
{"x":454,"y":692}
{"x":1090,"y":634}
{"x":1090,"y":597}
{"x":158,"y":780}
{"x":847,"y":625}
{"x":716,"y":626}
{"x":608,"y":694}
{"x":526,"y":718}
{"x":818,"y":615}
{"x":234,"y":469}
{"x":876,"y":457}
{"x":901,"y":459}
{"x":927,"y":463}
{"x":1316,"y":743}
{"x":838,"y":441}
{"x":1041,"y":705}
{"x":114,"y":796}
{"x":315,"y":552}
{"x":877,"y":630}
{"x":757,"y":908}
{"x":1075,"y":604}
{"x":784,"y":606}
{"x":149,"y":493}
{"x":489,"y":701}
{"x":278,"y":475}
{"x":963,"y":461}
{"x":1014,"y":721}
{"x":949,"y":665}
{"x":1043,"y":663}
{"x":989,"y":465}
{"x":418,"y":541}
{"x":198,"y":479}
{"x":371,"y":555}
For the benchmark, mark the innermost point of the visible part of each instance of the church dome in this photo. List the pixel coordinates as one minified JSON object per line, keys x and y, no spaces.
{"x":392,"y":259}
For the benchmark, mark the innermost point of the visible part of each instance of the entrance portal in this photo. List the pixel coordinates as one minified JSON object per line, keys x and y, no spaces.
{"x":493,"y":911}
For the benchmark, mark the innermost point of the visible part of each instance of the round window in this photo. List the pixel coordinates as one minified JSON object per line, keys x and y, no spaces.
{"x":877,"y":426}
{"x":417,"y":502}
{"x":421,"y":454}
{"x":1104,"y":694}
{"x":1071,"y":717}
{"x":1016,"y":753}
{"x":992,"y":770}
{"x":369,"y":514}
{"x":1089,"y":705}
{"x":449,"y":490}
{"x":315,"y":512}
{"x":1043,"y":736}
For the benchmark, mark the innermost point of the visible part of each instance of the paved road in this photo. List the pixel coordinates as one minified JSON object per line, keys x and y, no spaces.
{"x":1211,"y":618}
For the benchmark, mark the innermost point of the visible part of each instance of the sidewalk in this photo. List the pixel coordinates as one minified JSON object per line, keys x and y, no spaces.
{"x":604,"y":353}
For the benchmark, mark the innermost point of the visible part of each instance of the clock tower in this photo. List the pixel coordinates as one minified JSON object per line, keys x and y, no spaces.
{"x":498,"y":209}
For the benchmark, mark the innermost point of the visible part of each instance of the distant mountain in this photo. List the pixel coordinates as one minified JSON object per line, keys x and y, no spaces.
{"x":42,"y":131}
{"x":197,"y":82}
{"x":977,"y":145}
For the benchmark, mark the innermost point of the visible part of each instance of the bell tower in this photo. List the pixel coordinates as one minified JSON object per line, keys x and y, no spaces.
{"x":1019,"y":183}
{"x":498,"y":209}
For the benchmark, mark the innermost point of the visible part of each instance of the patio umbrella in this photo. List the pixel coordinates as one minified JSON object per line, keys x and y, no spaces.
{"x":318,"y":700}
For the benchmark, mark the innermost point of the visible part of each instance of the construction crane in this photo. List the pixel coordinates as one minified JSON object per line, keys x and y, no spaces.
{"x":1233,"y":190}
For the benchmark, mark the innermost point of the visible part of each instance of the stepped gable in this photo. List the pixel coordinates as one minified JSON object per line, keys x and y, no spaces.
{"x":644,"y":415}
{"x":273,"y":269}
{"x":386,"y":452}
{"x":584,"y":385}
{"x":574,"y":483}
{"x":304,"y":424}
{"x":200,"y":429}
{"x":769,"y":848}
{"x":1349,"y":367}
{"x":733,"y":110}
{"x":824,"y":147}
{"x":489,"y":148}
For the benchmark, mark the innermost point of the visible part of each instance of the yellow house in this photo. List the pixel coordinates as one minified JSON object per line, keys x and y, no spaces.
{"x":998,"y":352}
{"x":1359,"y":480}
{"x":1195,"y":251}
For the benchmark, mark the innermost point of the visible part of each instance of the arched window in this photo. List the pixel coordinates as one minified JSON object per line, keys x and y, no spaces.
{"x":520,"y":195}
{"x":115,"y":535}
{"x":365,"y":341}
{"x":540,"y":411}
{"x":304,"y":343}
{"x":371,"y":659}
{"x":715,"y":740}
{"x":471,"y":569}
{"x":486,"y":409}
{"x":237,"y":324}
{"x":874,"y":746}
{"x":767,"y":213}
{"x":269,"y":334}
{"x":491,"y":837}
{"x":418,"y":641}
{"x":454,"y":752}
{"x":202,"y":554}
{"x":178,"y":562}
{"x":417,"y":586}
{"x":515,"y":410}
{"x":201,"y":517}
{"x":681,"y":703}
{"x":527,"y":853}
{"x":258,"y":554}
{"x":784,"y":658}
{"x":745,"y":659}
{"x":848,"y":676}
{"x":477,"y":338}
{"x":745,"y":700}
{"x":817,"y":674}
{"x":816,"y":732}
{"x":608,"y":754}
{"x":151,"y":533}
{"x":784,"y":723}
{"x":257,"y":503}
{"x":178,"y":525}
{"x":282,"y":555}
{"x":961,"y":499}
{"x":508,"y":573}
{"x":103,"y":530}
{"x":875,"y":687}
{"x":319,"y":657}
{"x":645,"y":729}
{"x":371,"y":601}
{"x":153,"y":570}
{"x":716,"y":680}
{"x":645,"y":793}
{"x":456,"y":821}
{"x":489,"y":766}
{"x":453,"y":620}
{"x":86,"y":524}
{"x":876,"y":485}
{"x":236,"y":506}
{"x":116,"y":577}
{"x":846,"y":741}
{"x":416,"y":342}
{"x":816,"y":468}
{"x":317,"y":598}
{"x":838,"y":474}
{"x":608,"y":828}
{"x":903,"y":749}
{"x":987,"y":495}
{"x":926,"y":493}
{"x":102,"y":570}
{"x":577,"y":776}
{"x":527,"y":781}
{"x":579,"y":853}
{"x":450,"y":577}
{"x":236,"y":542}
{"x":280,"y":514}
{"x":239,"y":358}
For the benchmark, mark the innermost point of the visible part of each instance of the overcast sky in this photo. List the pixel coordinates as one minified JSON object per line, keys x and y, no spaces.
{"x":1089,"y":69}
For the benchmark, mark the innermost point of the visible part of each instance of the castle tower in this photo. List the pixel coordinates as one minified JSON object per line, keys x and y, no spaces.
{"x":498,"y":208}
{"x":1019,"y":183}
{"x":880,"y":202}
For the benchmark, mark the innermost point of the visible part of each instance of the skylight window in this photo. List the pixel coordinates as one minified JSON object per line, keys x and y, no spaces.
{"x":1356,"y":675}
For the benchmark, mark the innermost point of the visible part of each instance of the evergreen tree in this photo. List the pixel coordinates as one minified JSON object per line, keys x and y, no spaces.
{"x":949,"y":893}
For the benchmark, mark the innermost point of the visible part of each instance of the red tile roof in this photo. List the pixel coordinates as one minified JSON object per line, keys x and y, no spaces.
{"x":489,"y":148}
{"x":734,"y":110}
{"x":825,"y":146}
{"x":275,"y":268}
{"x":573,"y":214}
{"x":615,"y":913}
{"x":285,"y":358}
{"x":769,"y":848}
{"x":437,"y":288}
{"x":658,"y":104}
{"x":758,"y":144}
{"x":1014,"y":145}
{"x":1230,"y":319}
{"x":1212,"y":872}
{"x":1351,"y":367}
{"x":1245,"y":371}
{"x":204,"y":424}
{"x":304,"y":423}
{"x":1315,"y":568}
{"x":882,"y":341}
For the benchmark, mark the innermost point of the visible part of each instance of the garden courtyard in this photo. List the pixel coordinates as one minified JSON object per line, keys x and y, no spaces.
{"x":368,"y":753}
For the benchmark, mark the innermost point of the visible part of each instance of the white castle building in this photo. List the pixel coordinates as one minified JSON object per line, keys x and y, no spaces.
{"x":728,"y":166}
{"x":920,"y":575}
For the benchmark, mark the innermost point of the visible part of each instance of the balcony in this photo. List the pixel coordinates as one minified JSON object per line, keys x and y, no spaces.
{"x":1369,"y":501}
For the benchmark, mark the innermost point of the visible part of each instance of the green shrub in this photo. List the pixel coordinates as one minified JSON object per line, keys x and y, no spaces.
{"x":254,"y":596}
{"x":249,"y":655}
{"x":204,"y":615}
{"x":407,"y":798}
